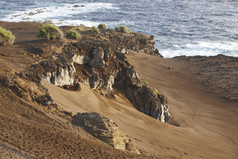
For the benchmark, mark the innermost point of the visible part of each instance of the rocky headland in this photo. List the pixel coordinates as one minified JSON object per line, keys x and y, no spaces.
{"x":106,"y":96}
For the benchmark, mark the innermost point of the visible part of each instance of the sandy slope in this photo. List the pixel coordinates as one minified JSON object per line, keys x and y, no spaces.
{"x":210,"y":118}
{"x":208,"y":125}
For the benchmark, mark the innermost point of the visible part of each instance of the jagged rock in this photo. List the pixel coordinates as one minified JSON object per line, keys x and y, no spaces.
{"x":62,"y":76}
{"x":38,"y":11}
{"x":135,"y":41}
{"x":146,"y":101}
{"x":124,"y":51}
{"x":110,"y":83}
{"x":98,"y":58}
{"x":104,"y":129}
{"x":103,"y":66}
{"x":81,"y":59}
{"x":26,"y":18}
{"x":157,"y":53}
{"x":77,"y":6}
{"x":31,"y":13}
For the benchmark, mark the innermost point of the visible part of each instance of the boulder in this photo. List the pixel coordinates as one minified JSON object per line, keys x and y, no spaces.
{"x":77,"y":6}
{"x":105,"y":130}
{"x":31,"y":13}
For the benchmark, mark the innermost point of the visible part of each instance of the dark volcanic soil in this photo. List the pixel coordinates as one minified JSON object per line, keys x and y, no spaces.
{"x":218,"y":74}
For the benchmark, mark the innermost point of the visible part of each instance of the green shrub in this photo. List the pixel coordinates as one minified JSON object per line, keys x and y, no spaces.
{"x":122,"y":29}
{"x":145,"y":83}
{"x":95,"y":30}
{"x":49,"y":31}
{"x":6,"y":37}
{"x":79,"y":29}
{"x":102,"y":26}
{"x":118,"y":29}
{"x":72,"y":34}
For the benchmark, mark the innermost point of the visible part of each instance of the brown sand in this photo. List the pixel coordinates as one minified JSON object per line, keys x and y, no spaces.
{"x":206,"y":123}
{"x":191,"y":105}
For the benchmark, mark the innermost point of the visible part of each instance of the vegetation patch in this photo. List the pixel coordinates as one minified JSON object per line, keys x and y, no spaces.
{"x":145,"y":83}
{"x":72,"y":34}
{"x":6,"y":37}
{"x":49,"y":32}
{"x":79,"y":29}
{"x":156,"y":92}
{"x":102,"y":26}
{"x":95,"y":30}
{"x":122,"y":29}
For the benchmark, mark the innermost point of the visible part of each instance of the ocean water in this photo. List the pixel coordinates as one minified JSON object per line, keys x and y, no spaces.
{"x":180,"y":27}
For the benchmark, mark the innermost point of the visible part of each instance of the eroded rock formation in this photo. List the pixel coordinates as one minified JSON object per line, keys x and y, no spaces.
{"x":99,"y":62}
{"x":102,"y":65}
{"x":104,"y":129}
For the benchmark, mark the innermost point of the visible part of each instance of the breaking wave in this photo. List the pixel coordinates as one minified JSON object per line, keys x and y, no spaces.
{"x":202,"y":49}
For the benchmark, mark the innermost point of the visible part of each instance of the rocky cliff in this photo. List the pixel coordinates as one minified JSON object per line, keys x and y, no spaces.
{"x":99,"y":61}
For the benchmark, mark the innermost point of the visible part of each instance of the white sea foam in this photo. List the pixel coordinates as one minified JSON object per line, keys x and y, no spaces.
{"x":203,"y":49}
{"x":60,"y":14}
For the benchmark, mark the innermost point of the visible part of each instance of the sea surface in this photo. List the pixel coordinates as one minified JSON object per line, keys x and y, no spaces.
{"x":180,"y":27}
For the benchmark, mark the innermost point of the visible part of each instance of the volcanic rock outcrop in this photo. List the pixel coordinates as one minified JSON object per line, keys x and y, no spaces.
{"x":100,"y":63}
{"x":104,"y":129}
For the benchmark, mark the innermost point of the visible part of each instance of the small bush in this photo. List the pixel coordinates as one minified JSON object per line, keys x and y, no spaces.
{"x":95,"y":30}
{"x":122,"y":29}
{"x":102,"y":26}
{"x":49,"y":31}
{"x":145,"y":83}
{"x":79,"y":29}
{"x":6,"y":37}
{"x":118,"y":29}
{"x":72,"y":34}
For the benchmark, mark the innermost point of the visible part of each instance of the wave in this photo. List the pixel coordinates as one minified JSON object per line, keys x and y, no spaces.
{"x":60,"y":15}
{"x":202,"y":49}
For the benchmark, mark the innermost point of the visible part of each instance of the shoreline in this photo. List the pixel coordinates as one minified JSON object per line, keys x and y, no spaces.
{"x":207,"y":44}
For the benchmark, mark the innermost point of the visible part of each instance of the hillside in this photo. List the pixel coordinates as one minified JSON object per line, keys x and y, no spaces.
{"x":47,"y":86}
